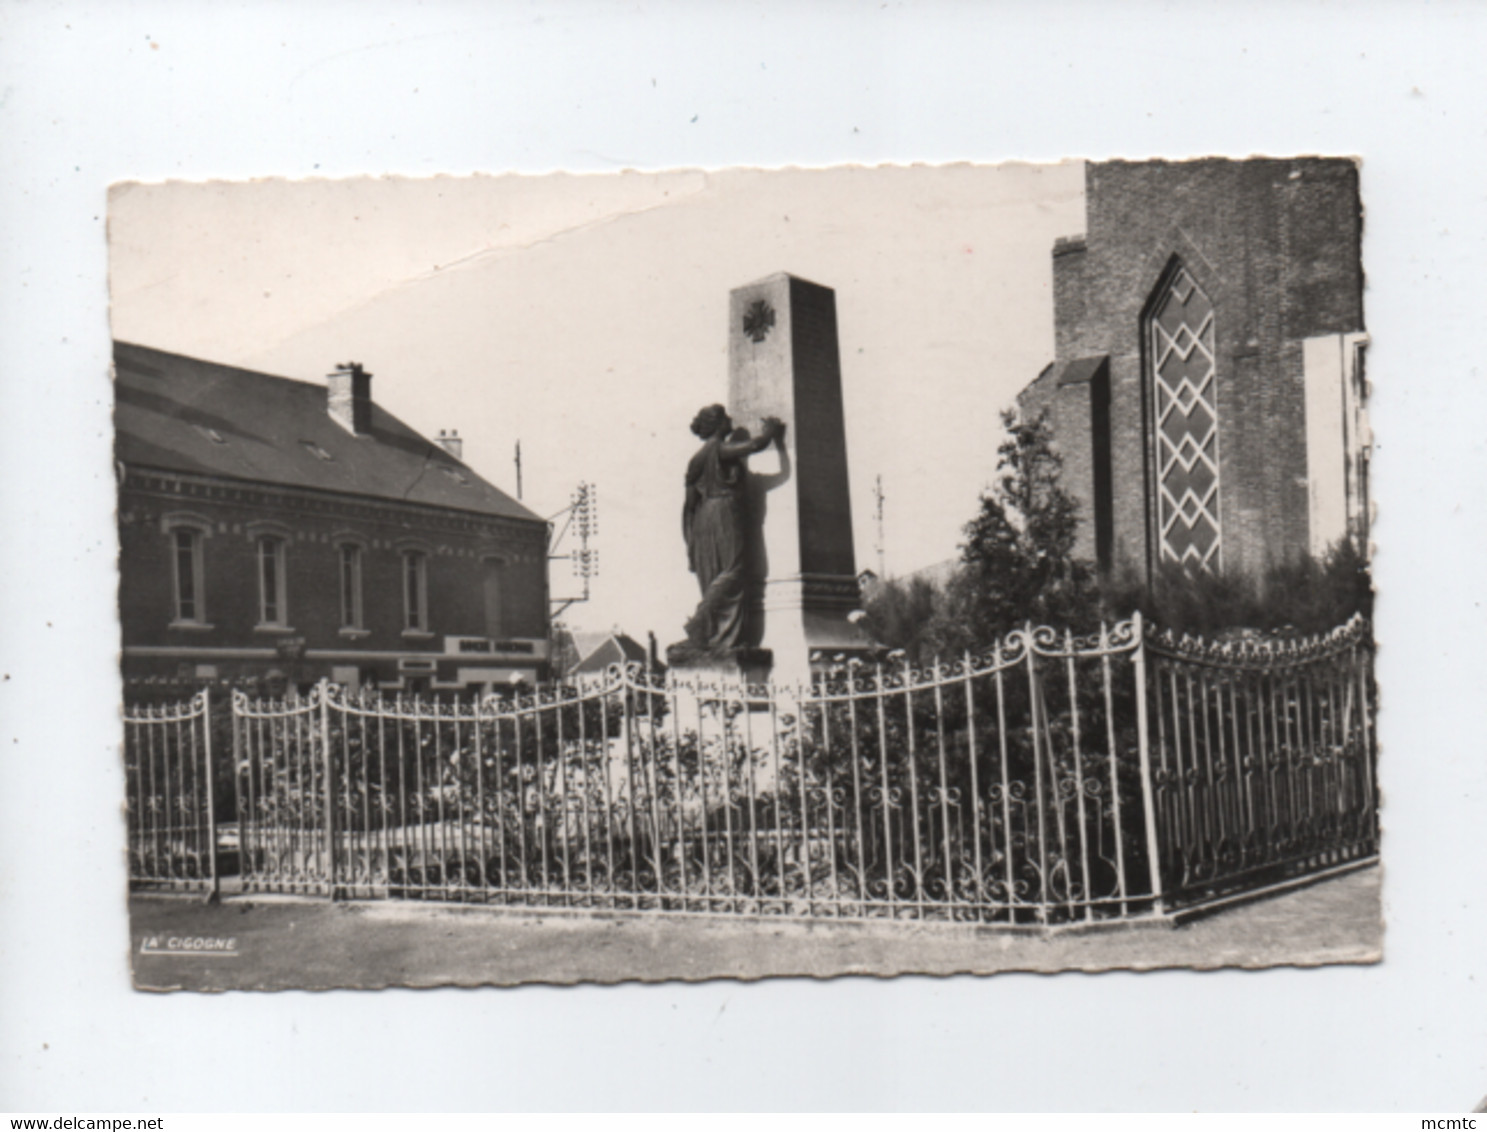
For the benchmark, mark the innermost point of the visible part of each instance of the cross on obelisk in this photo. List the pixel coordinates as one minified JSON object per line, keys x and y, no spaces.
{"x":784,"y":362}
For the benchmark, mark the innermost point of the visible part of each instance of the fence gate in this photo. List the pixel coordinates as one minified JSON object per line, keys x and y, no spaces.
{"x":1263,"y":760}
{"x":286,"y":819}
{"x":169,"y":795}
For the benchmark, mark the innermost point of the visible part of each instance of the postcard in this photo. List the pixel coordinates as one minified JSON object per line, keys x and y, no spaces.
{"x":742,"y":573}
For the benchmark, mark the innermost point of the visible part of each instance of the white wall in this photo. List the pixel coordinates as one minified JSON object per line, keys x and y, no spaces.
{"x":1337,"y":438}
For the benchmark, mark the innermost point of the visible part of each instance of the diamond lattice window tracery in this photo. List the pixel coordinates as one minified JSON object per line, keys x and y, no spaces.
{"x":1183,"y":380}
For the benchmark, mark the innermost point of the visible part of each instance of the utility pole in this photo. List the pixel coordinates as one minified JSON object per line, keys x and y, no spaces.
{"x":518,"y":469}
{"x":878,"y":516}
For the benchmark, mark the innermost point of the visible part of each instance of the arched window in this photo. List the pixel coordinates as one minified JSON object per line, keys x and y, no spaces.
{"x":1180,"y":361}
{"x":187,"y":533}
{"x":272,"y":596}
{"x":188,"y":574}
{"x":493,"y":571}
{"x":415,"y":591}
{"x":350,"y":555}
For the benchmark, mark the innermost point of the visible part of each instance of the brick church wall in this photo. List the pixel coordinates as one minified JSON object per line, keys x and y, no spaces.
{"x":1274,"y":245}
{"x":1073,"y":413}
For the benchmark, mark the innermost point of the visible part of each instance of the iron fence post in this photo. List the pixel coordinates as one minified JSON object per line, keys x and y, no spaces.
{"x":1033,"y":699}
{"x":236,"y":700}
{"x":1363,"y":661}
{"x":206,"y":733}
{"x":1148,"y":799}
{"x":322,"y":690}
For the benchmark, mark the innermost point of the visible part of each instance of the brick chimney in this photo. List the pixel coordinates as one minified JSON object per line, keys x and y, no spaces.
{"x":348,"y":398}
{"x":452,"y":443}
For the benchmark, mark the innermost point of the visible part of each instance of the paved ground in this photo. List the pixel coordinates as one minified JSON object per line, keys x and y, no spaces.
{"x":282,"y":943}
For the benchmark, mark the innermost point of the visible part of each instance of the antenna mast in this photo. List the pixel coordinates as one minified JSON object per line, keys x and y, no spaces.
{"x":581,"y":519}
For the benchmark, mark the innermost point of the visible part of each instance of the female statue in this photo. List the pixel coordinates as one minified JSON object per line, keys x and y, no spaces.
{"x":715,"y":525}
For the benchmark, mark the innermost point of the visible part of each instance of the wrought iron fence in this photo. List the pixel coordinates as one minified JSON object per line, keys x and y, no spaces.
{"x":1006,"y":788}
{"x":171,"y":826}
{"x":1264,"y":760}
{"x":1054,"y":780}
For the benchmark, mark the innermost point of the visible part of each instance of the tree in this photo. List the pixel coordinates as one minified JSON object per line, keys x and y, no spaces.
{"x":1018,"y":555}
{"x":901,"y":613}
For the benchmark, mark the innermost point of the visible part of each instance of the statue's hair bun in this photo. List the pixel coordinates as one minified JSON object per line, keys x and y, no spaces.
{"x":706,"y":423}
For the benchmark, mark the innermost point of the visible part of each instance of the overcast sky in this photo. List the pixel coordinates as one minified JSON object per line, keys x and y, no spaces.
{"x":586,"y":316}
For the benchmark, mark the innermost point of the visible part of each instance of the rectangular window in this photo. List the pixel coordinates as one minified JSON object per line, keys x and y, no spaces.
{"x":350,"y":587}
{"x":188,"y":575}
{"x":415,"y":590}
{"x":271,"y":603}
{"x":495,"y":619}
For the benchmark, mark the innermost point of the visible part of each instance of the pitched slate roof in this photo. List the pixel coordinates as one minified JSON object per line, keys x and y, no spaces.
{"x":613,"y":647}
{"x":1081,"y":371}
{"x":187,"y":415}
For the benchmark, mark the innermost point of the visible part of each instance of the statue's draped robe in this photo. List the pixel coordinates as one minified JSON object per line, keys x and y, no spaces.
{"x":714,"y":523}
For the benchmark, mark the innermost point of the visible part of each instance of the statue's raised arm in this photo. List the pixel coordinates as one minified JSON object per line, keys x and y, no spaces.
{"x":771,"y":430}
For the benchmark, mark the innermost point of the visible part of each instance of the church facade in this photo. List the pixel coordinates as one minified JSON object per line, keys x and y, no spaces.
{"x":290,"y":530}
{"x":1207,"y":392}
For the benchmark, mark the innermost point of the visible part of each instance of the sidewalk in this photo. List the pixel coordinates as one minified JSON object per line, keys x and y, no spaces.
{"x":282,"y":943}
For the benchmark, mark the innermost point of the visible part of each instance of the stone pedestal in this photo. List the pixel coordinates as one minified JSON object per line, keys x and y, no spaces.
{"x":725,"y":666}
{"x":784,"y":362}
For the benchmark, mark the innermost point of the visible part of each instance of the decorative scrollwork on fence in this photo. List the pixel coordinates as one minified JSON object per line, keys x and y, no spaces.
{"x":1257,"y":650}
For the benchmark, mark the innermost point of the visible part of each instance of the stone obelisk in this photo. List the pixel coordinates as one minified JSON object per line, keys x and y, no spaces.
{"x":784,"y":362}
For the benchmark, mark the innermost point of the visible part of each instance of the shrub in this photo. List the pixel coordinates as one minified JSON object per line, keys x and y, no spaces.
{"x":1299,"y":596}
{"x":1018,"y":566}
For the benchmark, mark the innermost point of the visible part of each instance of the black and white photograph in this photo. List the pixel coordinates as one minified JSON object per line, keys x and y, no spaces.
{"x":933,"y":569}
{"x":596,"y":556}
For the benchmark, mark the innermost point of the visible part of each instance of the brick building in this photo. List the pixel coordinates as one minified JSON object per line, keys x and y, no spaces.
{"x":271,"y":525}
{"x":1207,"y":389}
